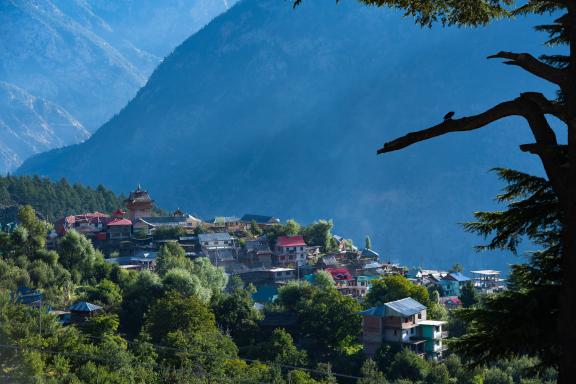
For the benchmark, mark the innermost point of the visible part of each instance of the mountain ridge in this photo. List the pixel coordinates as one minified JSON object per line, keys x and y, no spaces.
{"x":86,"y":55}
{"x":267,"y":107}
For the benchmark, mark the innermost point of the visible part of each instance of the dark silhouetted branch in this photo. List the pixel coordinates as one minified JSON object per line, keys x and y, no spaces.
{"x":528,"y":106}
{"x":533,"y":65}
{"x":505,"y":109}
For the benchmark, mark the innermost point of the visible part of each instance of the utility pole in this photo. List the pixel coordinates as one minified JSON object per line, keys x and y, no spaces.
{"x":40,"y":317}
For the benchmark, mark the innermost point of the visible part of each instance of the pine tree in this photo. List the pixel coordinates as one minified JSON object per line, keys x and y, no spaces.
{"x":518,"y":321}
{"x":468,"y":295}
{"x":367,"y":242}
{"x":371,"y":374}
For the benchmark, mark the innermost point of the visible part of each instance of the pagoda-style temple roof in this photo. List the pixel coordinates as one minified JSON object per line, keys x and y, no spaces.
{"x":139,"y":196}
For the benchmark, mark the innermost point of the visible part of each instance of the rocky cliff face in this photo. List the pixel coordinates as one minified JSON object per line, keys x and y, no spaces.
{"x":29,"y":124}
{"x":279,"y":111}
{"x":89,"y":57}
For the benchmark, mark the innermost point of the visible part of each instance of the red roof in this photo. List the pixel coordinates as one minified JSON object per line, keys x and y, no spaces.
{"x":340,"y":273}
{"x":454,"y":300}
{"x":119,"y":213}
{"x":290,"y":241}
{"x":119,"y":222}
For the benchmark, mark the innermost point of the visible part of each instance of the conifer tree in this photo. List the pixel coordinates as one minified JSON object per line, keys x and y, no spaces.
{"x":558,"y":160}
{"x":367,"y":243}
{"x":518,"y":321}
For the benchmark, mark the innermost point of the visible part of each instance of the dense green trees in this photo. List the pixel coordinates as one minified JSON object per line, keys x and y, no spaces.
{"x":328,"y":320}
{"x":395,"y":287}
{"x":318,"y":233}
{"x":371,"y":374}
{"x":199,"y":276}
{"x":498,"y":328}
{"x":76,"y":252}
{"x":55,"y":199}
{"x":468,"y":295}
{"x":159,"y":327}
{"x":236,"y":315}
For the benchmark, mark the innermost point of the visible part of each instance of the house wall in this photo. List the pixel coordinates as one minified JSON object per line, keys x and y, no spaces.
{"x":120,"y":232}
{"x":291,"y":255}
{"x":137,"y":211}
{"x":372,"y":334}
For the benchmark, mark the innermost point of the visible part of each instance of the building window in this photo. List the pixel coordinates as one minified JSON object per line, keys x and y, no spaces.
{"x":420,"y":316}
{"x":395,"y":332}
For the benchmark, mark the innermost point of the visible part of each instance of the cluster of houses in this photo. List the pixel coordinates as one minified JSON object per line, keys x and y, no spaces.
{"x":128,"y":239}
{"x":449,"y":284}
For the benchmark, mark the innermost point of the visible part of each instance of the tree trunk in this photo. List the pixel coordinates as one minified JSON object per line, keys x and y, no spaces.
{"x":567,"y":325}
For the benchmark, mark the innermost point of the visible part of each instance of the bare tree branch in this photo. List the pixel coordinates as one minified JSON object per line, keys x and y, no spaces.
{"x":533,"y":65}
{"x":546,"y":106}
{"x":526,"y":106}
{"x":505,"y":109}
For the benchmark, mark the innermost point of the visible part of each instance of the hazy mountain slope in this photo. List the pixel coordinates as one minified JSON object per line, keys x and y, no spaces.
{"x":31,"y":125}
{"x":270,"y":110}
{"x":89,"y":56}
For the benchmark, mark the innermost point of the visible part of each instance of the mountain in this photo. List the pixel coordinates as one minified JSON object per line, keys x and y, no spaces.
{"x":89,"y":57}
{"x":279,"y":111}
{"x":29,"y":124}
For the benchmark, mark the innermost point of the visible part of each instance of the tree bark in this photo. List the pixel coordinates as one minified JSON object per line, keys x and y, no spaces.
{"x":566,"y":326}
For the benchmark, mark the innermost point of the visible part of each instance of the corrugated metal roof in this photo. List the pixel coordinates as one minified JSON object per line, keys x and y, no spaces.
{"x":224,"y":219}
{"x":218,"y":236}
{"x":405,"y":307}
{"x":159,"y":220}
{"x":458,"y":276}
{"x":370,"y":253}
{"x":290,"y":241}
{"x":119,"y":222}
{"x":84,"y":306}
{"x":375,"y":311}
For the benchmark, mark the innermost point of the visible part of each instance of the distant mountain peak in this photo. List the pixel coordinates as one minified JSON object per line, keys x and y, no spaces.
{"x":30,"y":125}
{"x":87,"y":57}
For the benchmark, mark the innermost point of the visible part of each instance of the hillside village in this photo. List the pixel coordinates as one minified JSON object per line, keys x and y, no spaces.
{"x":267,"y":255}
{"x":115,"y":274}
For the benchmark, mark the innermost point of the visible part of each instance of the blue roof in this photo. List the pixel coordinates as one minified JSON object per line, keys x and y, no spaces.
{"x":224,"y":219}
{"x":404,"y":307}
{"x":370,"y":253}
{"x":375,"y":311}
{"x":84,"y":306}
{"x":265,"y":293}
{"x":458,"y":276}
{"x":30,"y":298}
